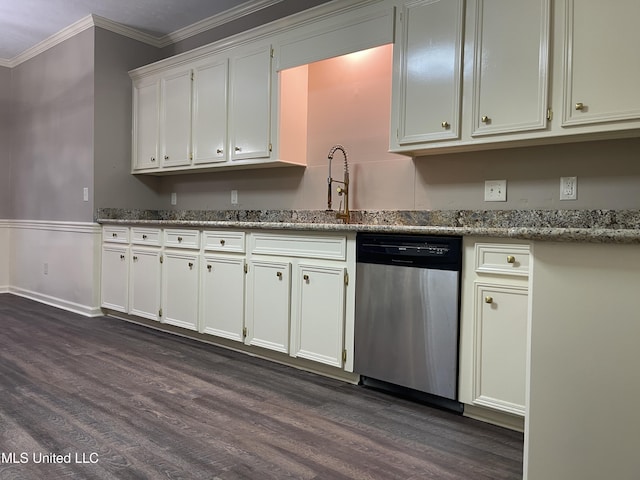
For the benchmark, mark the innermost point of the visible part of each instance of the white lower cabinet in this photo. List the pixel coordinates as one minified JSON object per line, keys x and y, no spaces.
{"x":115,"y":277}
{"x":180,"y":282}
{"x":494,"y":326}
{"x":222,"y":299}
{"x":268,"y":305}
{"x":500,"y":344}
{"x":144,"y":282}
{"x":318,"y":323}
{"x":287,"y":292}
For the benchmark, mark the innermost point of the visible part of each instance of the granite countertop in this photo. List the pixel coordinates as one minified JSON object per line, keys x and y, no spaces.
{"x":598,"y":226}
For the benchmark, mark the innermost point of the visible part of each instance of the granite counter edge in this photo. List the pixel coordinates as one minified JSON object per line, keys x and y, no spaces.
{"x":557,"y":234}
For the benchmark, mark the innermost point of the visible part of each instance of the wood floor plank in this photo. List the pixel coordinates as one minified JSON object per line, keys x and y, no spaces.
{"x":150,"y":405}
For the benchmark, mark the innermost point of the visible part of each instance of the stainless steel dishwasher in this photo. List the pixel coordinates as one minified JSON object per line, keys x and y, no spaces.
{"x":407,"y":314}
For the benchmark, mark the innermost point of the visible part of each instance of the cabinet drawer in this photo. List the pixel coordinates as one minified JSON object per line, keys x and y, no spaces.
{"x":330,"y":247}
{"x":222,"y":241}
{"x":145,"y":236}
{"x":182,"y":238}
{"x":115,"y":234}
{"x":502,"y":259}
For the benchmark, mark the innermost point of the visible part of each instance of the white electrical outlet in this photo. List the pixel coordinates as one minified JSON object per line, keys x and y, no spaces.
{"x":568,"y":188}
{"x":174,"y":198}
{"x":85,"y":194}
{"x":495,"y":191}
{"x":234,"y":197}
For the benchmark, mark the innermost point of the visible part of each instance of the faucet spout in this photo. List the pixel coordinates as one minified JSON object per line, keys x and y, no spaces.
{"x":343,"y":213}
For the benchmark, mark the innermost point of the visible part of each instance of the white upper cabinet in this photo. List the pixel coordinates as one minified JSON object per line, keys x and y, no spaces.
{"x":533,"y":72}
{"x":601,"y":70}
{"x":250,"y":104}
{"x":175,"y":119}
{"x":428,"y":77}
{"x":212,"y":112}
{"x":209,"y":133}
{"x":510,"y":65}
{"x":146,"y":102}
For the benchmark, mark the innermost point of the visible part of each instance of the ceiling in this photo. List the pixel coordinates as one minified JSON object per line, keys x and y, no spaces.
{"x":26,"y":23}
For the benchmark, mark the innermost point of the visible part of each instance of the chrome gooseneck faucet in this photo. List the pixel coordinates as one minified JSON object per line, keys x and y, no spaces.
{"x":343,"y":213}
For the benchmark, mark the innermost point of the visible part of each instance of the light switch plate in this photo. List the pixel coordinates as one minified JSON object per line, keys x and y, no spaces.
{"x":495,"y":191}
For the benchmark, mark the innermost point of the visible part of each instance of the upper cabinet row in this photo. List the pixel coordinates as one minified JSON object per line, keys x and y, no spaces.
{"x":467,"y":75}
{"x":209,"y":113}
{"x":480,"y":73}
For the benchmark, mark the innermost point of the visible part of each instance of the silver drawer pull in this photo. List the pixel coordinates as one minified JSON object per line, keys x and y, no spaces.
{"x":222,"y":242}
{"x":279,"y":275}
{"x":179,"y":239}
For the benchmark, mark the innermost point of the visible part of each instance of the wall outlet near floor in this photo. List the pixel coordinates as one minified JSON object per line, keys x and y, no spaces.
{"x":174,"y":198}
{"x":568,"y":188}
{"x":495,"y":191}
{"x":234,"y":197}
{"x":85,"y":194}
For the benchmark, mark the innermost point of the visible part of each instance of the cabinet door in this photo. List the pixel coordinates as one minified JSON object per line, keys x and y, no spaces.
{"x":144,"y":283}
{"x":250,"y":105}
{"x":511,"y":58}
{"x":268,"y":301}
{"x":500,"y":347}
{"x":180,"y":281}
{"x":318,"y":330}
{"x":602,"y":72}
{"x":115,"y":280}
{"x":427,"y":83}
{"x":223,"y":297}
{"x":176,"y":119}
{"x":146,"y":102}
{"x":210,"y":113}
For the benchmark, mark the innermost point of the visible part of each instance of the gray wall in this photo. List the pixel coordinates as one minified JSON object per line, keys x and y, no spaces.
{"x":5,"y":143}
{"x":608,"y":176}
{"x":115,"y":187}
{"x":52,"y":155}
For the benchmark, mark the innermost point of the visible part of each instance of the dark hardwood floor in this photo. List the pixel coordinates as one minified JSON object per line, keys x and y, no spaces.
{"x":143,"y":404}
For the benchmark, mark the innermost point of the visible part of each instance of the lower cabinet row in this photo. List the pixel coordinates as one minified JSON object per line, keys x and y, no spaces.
{"x":294,"y":305}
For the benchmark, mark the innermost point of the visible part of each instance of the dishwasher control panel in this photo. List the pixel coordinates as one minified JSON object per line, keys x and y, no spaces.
{"x":426,"y":251}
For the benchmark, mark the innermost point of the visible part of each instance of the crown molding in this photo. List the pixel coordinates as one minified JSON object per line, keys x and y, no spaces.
{"x":89,"y":21}
{"x":235,"y":13}
{"x":125,"y":31}
{"x":64,"y":34}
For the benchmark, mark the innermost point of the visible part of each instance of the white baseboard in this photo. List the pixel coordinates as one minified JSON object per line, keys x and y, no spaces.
{"x":83,"y":310}
{"x":506,"y":420}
